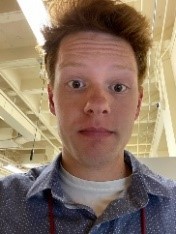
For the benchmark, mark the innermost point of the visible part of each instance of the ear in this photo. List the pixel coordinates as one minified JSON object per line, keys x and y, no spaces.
{"x":50,"y":98}
{"x":140,"y":97}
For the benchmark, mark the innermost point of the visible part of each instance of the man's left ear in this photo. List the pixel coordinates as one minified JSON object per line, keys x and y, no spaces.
{"x":50,"y":98}
{"x":140,"y":97}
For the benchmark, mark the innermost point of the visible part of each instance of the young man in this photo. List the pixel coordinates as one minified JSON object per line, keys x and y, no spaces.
{"x":96,"y":61}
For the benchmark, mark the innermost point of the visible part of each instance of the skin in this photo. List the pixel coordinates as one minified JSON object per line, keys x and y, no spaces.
{"x":96,"y":99}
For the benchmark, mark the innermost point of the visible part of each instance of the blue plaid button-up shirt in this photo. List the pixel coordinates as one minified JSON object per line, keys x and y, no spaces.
{"x":24,"y":207}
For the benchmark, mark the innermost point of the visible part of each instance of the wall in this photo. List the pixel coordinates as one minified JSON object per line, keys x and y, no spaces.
{"x":162,"y":166}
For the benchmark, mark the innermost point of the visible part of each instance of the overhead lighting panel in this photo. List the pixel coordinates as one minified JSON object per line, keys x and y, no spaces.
{"x":36,"y":15}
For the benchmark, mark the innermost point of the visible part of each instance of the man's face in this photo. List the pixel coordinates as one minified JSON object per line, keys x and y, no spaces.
{"x":95,"y":97}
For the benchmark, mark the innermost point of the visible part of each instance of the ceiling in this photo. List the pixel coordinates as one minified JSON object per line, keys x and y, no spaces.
{"x":25,"y":121}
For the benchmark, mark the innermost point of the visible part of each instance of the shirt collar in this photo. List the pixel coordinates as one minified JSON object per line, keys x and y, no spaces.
{"x":148,"y":182}
{"x":48,"y":179}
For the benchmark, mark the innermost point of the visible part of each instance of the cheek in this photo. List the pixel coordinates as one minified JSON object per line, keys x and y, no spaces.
{"x":127,"y":106}
{"x":66,"y":112}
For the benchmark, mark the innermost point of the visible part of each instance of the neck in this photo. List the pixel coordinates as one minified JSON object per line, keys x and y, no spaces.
{"x":108,"y":171}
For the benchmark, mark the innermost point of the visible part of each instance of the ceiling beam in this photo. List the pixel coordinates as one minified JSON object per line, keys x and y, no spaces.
{"x":9,"y":77}
{"x":18,"y":53}
{"x":33,"y":86}
{"x":19,"y":63}
{"x":15,"y":118}
{"x":9,"y":17}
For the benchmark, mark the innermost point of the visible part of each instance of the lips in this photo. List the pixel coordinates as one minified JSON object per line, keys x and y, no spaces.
{"x":96,"y":132}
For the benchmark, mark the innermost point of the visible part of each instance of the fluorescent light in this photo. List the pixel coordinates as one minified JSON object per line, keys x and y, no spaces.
{"x":13,"y":168}
{"x":36,"y":15}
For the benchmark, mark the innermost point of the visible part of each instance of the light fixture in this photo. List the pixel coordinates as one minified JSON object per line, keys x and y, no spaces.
{"x":36,"y":15}
{"x":13,"y":168}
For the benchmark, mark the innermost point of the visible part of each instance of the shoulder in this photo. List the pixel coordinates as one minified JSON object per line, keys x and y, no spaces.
{"x":159,"y":184}
{"x":154,"y":183}
{"x":21,"y":182}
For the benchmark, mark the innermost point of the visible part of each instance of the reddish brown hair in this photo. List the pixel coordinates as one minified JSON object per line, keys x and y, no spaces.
{"x":107,"y":16}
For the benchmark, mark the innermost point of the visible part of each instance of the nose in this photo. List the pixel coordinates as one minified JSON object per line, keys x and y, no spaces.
{"x":97,"y":103}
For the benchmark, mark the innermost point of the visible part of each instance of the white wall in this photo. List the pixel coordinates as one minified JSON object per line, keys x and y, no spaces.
{"x":162,"y":166}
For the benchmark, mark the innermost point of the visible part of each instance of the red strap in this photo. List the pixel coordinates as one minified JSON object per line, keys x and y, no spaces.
{"x":143,"y":221}
{"x":51,"y":214}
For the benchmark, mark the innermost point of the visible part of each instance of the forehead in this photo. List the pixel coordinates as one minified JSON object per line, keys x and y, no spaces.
{"x":95,"y":45}
{"x":97,"y":40}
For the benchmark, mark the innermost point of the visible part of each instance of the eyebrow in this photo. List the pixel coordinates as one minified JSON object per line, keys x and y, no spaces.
{"x":76,"y":64}
{"x":70,"y":64}
{"x":123,"y":67}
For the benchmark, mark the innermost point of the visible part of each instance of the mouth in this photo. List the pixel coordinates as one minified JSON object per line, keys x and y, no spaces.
{"x":96,"y":132}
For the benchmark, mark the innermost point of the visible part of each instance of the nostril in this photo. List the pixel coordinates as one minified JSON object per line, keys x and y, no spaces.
{"x":105,"y":112}
{"x":90,"y":111}
{"x":96,"y":111}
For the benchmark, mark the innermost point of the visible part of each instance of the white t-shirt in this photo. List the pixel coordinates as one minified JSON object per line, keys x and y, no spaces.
{"x":96,"y":195}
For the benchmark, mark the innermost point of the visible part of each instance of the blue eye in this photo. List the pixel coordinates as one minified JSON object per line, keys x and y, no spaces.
{"x":76,"y":84}
{"x":119,"y":88}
